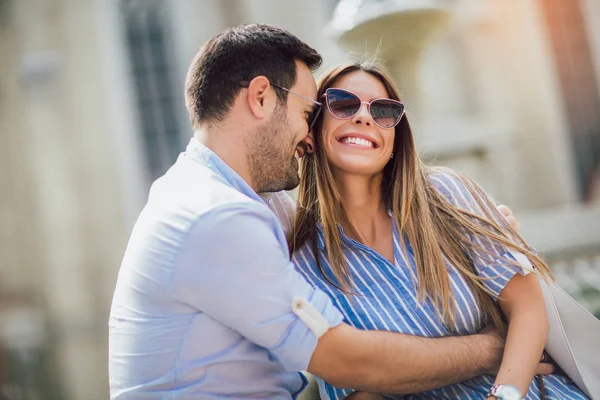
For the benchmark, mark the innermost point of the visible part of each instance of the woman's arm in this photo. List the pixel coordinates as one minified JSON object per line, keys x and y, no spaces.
{"x":523,"y":305}
{"x":519,"y":296}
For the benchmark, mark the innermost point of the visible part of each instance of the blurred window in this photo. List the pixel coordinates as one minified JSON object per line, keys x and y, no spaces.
{"x":147,"y":33}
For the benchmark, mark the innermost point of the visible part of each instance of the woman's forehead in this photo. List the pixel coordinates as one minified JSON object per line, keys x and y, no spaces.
{"x":363,"y":84}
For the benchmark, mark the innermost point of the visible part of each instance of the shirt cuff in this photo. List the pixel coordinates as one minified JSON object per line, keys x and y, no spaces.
{"x":526,"y":266}
{"x":299,"y":343}
{"x":302,"y":387}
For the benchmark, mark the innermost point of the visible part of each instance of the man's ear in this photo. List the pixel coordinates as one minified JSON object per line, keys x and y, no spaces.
{"x":260,"y":98}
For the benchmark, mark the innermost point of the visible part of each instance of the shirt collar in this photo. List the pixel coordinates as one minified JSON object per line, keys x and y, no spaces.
{"x":205,"y":156}
{"x":344,"y":239}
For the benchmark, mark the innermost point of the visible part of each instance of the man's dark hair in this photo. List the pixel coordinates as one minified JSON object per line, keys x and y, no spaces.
{"x":242,"y":53}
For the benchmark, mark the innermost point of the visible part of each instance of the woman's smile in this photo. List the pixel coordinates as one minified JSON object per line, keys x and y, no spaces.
{"x":357,"y":140}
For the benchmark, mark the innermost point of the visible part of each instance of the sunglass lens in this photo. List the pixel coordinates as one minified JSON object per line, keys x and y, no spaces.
{"x":342,"y":104}
{"x":386,"y":113}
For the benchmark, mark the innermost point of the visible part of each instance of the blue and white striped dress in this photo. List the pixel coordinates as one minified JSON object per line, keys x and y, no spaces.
{"x":387,"y":300}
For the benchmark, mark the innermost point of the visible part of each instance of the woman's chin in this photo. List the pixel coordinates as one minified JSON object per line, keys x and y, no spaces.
{"x":357,"y":166}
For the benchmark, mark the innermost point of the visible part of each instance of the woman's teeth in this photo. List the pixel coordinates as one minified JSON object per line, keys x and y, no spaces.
{"x":358,"y":141}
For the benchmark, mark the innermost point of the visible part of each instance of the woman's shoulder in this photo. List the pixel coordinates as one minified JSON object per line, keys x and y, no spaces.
{"x":447,"y":181}
{"x":458,"y":189}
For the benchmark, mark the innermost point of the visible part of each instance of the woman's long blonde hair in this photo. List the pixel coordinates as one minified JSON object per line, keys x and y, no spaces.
{"x":436,"y":229}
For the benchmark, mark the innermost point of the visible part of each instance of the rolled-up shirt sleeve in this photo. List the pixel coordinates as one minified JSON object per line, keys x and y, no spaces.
{"x":498,"y":263}
{"x":234,"y":267}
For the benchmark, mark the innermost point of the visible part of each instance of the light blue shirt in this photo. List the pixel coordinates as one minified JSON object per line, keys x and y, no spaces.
{"x":203,"y":302}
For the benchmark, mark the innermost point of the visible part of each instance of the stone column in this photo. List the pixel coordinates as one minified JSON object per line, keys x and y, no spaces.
{"x":71,"y":137}
{"x":397,"y":32}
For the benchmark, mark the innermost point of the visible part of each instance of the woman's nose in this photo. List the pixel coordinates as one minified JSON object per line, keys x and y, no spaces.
{"x":363,"y":116}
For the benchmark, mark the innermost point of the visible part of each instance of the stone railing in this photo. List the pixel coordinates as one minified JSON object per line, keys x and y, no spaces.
{"x":569,"y":239}
{"x":580,"y":277}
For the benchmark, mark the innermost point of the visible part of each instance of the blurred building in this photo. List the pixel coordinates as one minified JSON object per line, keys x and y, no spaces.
{"x":91,"y":111}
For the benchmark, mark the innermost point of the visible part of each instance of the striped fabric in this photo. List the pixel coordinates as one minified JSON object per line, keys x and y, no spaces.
{"x":387,"y":299}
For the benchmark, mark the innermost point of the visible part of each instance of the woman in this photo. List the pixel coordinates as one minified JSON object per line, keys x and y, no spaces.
{"x":406,"y":247}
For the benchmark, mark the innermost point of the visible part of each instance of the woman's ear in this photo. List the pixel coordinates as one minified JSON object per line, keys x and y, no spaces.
{"x":309,"y":141}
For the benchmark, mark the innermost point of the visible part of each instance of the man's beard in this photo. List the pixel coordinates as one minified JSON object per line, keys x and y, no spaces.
{"x":271,"y":160}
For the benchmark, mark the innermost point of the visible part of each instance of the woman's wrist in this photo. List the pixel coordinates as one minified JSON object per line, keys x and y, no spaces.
{"x":504,"y":392}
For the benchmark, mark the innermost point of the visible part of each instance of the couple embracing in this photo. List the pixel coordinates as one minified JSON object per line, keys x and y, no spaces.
{"x":388,"y":279}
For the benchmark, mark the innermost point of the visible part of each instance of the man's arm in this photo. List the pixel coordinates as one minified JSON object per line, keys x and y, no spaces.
{"x":232,"y":268}
{"x":388,"y":362}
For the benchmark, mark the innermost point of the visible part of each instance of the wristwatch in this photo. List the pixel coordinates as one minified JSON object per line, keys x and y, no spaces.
{"x":505,"y":392}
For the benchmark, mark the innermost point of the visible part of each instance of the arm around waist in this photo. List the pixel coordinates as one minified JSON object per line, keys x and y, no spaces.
{"x":389,"y":362}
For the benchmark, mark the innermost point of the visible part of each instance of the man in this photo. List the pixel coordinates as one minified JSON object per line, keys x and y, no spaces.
{"x":207,"y":303}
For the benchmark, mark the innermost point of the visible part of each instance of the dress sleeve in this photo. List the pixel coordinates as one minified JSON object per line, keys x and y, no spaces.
{"x":498,"y":264}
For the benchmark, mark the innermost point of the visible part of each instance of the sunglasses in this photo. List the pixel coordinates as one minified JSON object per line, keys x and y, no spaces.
{"x":342,"y":104}
{"x":314,"y":114}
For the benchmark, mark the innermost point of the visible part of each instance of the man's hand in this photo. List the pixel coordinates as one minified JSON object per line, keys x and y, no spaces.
{"x":496,"y":346}
{"x":510,"y":218}
{"x":545,"y":369}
